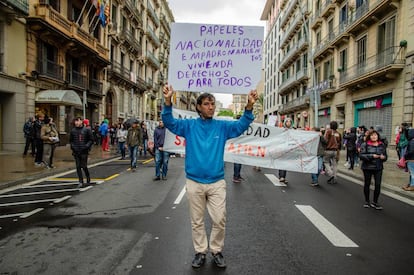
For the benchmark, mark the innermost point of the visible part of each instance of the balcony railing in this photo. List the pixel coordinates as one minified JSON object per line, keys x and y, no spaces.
{"x":128,"y":36}
{"x":378,"y":62}
{"x":68,"y":28}
{"x":134,"y":11}
{"x":293,"y":80}
{"x":120,"y":69}
{"x":301,"y":44}
{"x":77,"y":79}
{"x":152,"y":14}
{"x":151,"y":58}
{"x":296,"y":103}
{"x":21,"y":5}
{"x":151,"y":34}
{"x":50,"y":68}
{"x":288,"y":12}
{"x":95,"y":87}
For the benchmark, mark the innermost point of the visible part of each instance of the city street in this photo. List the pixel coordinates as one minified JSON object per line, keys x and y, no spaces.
{"x":126,"y":223}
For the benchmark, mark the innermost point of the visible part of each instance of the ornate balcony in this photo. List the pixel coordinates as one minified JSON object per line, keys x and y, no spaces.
{"x":49,"y":68}
{"x":153,"y":37}
{"x":133,"y":13}
{"x":76,"y":79}
{"x":152,"y":60}
{"x":53,"y":25}
{"x":296,"y":104}
{"x":128,"y":39}
{"x":15,"y":6}
{"x":294,"y":81}
{"x":376,"y":69}
{"x":152,"y":14}
{"x":95,"y":87}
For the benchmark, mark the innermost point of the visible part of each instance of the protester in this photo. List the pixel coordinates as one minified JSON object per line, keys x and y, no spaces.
{"x":204,"y":167}
{"x":81,"y":141}
{"x":37,"y":126}
{"x":351,"y":150}
{"x":333,"y":144}
{"x":50,"y":138}
{"x":287,"y":124}
{"x":134,"y":143}
{"x":161,"y":156}
{"x":144,"y":139}
{"x":320,"y":153}
{"x":237,"y":167}
{"x":373,"y":154}
{"x":28,"y":130}
{"x":104,"y":131}
{"x":402,"y":140}
{"x":409,"y":157}
{"x":121,"y":135}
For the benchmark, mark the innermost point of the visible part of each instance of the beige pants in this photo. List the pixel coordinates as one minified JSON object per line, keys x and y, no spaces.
{"x":212,"y":196}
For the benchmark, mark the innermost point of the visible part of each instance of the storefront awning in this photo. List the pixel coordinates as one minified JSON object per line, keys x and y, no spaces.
{"x":60,"y":97}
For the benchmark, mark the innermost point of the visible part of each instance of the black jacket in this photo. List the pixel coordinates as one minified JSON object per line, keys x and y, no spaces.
{"x":81,"y":140}
{"x":366,"y":156}
{"x":409,"y":153}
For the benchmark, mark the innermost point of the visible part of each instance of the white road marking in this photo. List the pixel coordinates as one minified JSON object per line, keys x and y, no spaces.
{"x":39,"y":193}
{"x":274,"y":180}
{"x":35,"y":201}
{"x":333,"y":234}
{"x":28,"y":214}
{"x":180,"y":196}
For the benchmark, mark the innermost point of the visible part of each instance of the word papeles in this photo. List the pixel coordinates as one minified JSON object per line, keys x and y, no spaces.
{"x":220,"y":29}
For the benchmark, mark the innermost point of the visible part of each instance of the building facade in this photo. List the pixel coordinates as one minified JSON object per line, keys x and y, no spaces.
{"x":13,"y":99}
{"x":70,"y":58}
{"x":358,"y":62}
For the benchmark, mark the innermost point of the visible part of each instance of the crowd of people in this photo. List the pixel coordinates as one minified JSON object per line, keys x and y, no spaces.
{"x":204,"y":165}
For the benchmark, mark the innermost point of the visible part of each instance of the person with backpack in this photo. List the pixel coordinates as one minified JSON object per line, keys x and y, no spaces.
{"x":333,"y":145}
{"x":81,"y":141}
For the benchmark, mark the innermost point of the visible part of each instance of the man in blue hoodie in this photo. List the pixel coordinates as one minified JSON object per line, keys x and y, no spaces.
{"x":204,"y":166}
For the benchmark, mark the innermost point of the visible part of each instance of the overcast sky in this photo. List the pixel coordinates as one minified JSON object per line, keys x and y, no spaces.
{"x":229,"y":12}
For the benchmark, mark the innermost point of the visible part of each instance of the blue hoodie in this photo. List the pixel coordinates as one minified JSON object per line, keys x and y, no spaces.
{"x":205,"y":141}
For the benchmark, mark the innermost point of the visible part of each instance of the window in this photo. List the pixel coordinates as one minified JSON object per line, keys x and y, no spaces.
{"x":362,"y":50}
{"x":331,"y":29}
{"x":343,"y":60}
{"x":386,"y":34}
{"x":327,"y":70}
{"x":343,"y":17}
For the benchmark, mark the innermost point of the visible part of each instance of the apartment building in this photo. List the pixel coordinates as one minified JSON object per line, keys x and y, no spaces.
{"x":66,"y":58}
{"x":139,"y":36}
{"x":12,"y":71}
{"x":358,"y":63}
{"x":70,"y":58}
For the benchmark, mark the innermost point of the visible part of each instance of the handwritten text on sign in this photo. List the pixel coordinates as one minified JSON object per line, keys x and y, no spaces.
{"x":215,"y":58}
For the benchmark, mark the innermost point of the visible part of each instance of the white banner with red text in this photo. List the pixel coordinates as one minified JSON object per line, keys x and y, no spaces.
{"x":261,"y":145}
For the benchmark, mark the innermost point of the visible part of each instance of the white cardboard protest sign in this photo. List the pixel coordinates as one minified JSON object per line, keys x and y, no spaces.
{"x":262,"y":145}
{"x":215,"y":58}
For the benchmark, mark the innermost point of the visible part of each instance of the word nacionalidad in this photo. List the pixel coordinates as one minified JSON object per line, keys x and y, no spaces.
{"x":219,"y":43}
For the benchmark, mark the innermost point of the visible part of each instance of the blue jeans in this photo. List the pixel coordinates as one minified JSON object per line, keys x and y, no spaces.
{"x":161,"y":162}
{"x":122,"y":148}
{"x":237,"y":168}
{"x":410,"y":167}
{"x":133,"y":150}
{"x":320,"y":164}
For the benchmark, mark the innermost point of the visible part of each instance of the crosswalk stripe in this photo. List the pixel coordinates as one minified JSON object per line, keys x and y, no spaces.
{"x":333,"y":234}
{"x":274,"y":180}
{"x":180,"y":196}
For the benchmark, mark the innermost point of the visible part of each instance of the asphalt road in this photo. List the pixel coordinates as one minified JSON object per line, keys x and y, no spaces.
{"x":129,"y":224}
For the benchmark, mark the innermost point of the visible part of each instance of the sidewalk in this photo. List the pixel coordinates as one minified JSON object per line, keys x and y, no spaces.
{"x":16,"y":169}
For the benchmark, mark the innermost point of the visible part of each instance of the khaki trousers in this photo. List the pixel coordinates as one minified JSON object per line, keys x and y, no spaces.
{"x":212,"y":196}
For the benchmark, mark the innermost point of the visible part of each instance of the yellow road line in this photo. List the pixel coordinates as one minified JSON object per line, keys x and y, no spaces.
{"x":148,"y":161}
{"x":111,"y":177}
{"x":71,"y":179}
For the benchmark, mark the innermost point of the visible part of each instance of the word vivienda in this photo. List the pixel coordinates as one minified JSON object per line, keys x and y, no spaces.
{"x":220,"y":29}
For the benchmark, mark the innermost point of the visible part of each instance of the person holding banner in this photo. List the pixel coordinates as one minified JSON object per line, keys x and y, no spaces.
{"x":204,"y":166}
{"x":287,"y":123}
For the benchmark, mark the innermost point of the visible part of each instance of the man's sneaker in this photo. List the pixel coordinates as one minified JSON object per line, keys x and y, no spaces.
{"x":367,"y":204}
{"x":219,"y":260}
{"x":376,"y":206}
{"x":80,"y":185}
{"x":157,"y":178}
{"x":314,"y":184}
{"x":198,"y":260}
{"x":236,"y":180}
